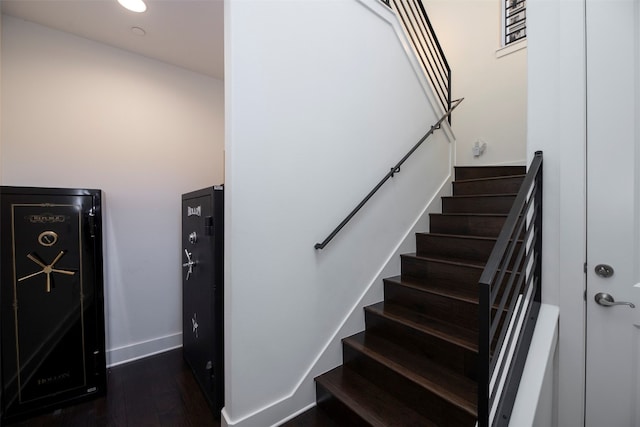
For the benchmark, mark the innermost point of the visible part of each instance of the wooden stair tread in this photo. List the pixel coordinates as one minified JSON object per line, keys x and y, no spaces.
{"x":459,"y":236}
{"x":452,"y":261}
{"x":462,"y":236}
{"x":470,"y":172}
{"x":437,"y":288}
{"x":491,"y":178}
{"x":450,"y":386}
{"x":460,"y":248}
{"x":370,"y":402}
{"x":468,"y":223}
{"x":475,"y":214}
{"x":470,"y":196}
{"x":447,"y":260}
{"x":414,"y":320}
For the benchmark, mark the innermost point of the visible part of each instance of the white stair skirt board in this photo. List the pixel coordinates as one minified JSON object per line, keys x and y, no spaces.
{"x":534,"y":403}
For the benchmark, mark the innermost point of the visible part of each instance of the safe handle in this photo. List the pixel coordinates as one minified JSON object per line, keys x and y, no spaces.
{"x":189,"y":264}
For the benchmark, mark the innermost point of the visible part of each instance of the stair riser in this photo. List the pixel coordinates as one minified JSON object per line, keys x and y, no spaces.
{"x":485,"y":226}
{"x":508,"y":185}
{"x":436,"y":349}
{"x":459,"y":276}
{"x":478,"y":204}
{"x":450,"y":246}
{"x":437,"y":409}
{"x":338,"y":410}
{"x":475,"y":172}
{"x":460,"y":313}
{"x":470,"y":249}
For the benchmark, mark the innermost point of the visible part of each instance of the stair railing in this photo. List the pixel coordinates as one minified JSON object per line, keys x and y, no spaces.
{"x":422,"y":36}
{"x":394,"y":170}
{"x":510,"y":295}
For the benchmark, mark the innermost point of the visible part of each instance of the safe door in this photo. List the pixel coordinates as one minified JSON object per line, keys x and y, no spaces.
{"x":203,"y":293}
{"x":51,"y":298}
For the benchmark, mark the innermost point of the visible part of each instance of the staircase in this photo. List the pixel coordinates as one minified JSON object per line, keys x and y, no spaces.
{"x":415,"y":364}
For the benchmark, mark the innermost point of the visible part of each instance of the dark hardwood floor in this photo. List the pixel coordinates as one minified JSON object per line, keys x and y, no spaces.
{"x":156,"y":391}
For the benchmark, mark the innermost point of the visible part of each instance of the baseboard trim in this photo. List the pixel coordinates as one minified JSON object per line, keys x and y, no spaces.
{"x":140,"y":350}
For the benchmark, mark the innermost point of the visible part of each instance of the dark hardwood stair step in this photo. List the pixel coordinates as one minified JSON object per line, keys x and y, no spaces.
{"x":472,"y":224}
{"x":458,"y":273}
{"x":374,"y":405}
{"x":474,"y":248}
{"x":461,"y":248}
{"x":469,"y":295}
{"x":411,"y":319}
{"x":494,"y":185}
{"x":487,"y":203}
{"x":453,"y":388}
{"x":438,"y":304}
{"x":471,"y":172}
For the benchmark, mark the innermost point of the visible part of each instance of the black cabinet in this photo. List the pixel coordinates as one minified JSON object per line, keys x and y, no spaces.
{"x":51,"y":298}
{"x":203,"y":290}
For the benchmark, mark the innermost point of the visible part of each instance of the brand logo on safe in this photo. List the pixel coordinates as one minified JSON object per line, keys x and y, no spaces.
{"x":46,"y":218}
{"x":194,"y":211}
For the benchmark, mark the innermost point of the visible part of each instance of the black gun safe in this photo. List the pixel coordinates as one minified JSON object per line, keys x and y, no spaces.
{"x":51,"y":299}
{"x":203,"y":290}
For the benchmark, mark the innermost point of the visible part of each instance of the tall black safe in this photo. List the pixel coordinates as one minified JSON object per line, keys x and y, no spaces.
{"x":51,"y":298}
{"x":203,"y":290}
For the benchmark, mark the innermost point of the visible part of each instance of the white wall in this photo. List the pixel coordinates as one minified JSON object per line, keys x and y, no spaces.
{"x":77,"y":113}
{"x":495,"y":89}
{"x":557,"y":123}
{"x":321,"y":100}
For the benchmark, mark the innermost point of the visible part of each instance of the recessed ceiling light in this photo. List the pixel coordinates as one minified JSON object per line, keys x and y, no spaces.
{"x":133,"y":5}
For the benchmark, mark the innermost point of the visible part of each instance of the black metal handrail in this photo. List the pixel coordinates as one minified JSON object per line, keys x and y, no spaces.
{"x":510,"y":295}
{"x":394,"y":170}
{"x":420,"y":32}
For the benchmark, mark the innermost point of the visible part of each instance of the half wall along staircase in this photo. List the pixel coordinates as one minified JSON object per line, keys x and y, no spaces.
{"x":416,"y":362}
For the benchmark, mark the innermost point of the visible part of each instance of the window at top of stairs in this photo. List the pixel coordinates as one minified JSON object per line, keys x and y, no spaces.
{"x":514,"y":21}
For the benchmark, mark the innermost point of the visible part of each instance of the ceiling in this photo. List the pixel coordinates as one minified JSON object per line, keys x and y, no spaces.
{"x":186,"y":33}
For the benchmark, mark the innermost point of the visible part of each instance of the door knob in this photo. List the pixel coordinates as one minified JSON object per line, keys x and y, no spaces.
{"x":608,"y":301}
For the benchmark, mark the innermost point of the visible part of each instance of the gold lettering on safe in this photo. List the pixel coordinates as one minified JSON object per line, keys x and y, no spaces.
{"x":46,"y":218}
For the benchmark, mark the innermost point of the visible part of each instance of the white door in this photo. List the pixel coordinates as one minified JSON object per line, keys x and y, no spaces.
{"x":613,"y":212}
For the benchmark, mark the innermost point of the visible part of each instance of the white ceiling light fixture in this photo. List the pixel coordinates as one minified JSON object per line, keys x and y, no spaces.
{"x":133,"y":5}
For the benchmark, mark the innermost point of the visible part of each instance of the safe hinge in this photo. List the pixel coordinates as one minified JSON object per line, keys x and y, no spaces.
{"x":585,"y":268}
